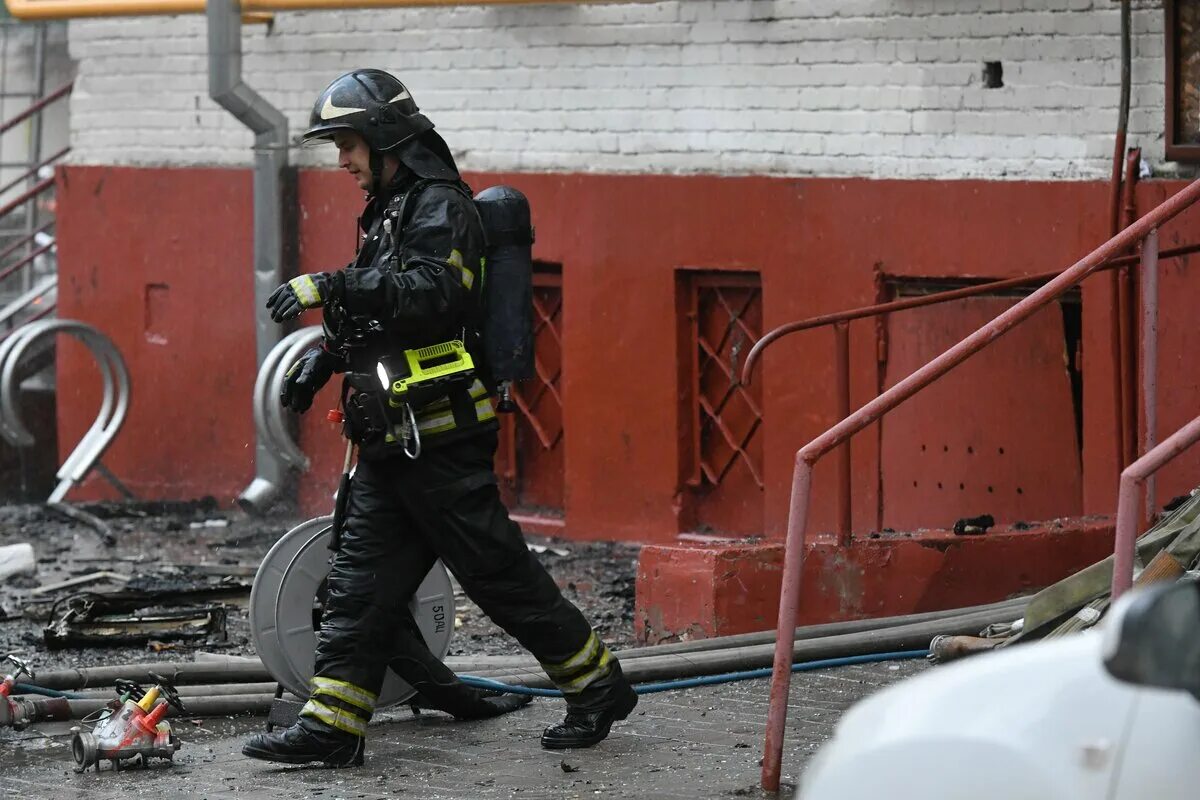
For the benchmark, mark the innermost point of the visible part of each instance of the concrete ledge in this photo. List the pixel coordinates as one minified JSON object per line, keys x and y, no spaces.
{"x":705,"y":589}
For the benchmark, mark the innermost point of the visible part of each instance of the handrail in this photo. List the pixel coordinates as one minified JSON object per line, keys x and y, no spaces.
{"x":4,"y":273}
{"x":27,"y":195}
{"x":880,"y":309}
{"x":1127,"y":500}
{"x":44,"y":310}
{"x":807,"y":456}
{"x":12,"y":248}
{"x":67,"y":9}
{"x":11,"y":310}
{"x":37,"y":106}
{"x":114,"y":404}
{"x":1148,"y":363}
{"x":29,"y":173}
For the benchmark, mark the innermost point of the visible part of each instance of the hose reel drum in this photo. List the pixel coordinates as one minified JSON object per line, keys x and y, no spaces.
{"x":285,"y":610}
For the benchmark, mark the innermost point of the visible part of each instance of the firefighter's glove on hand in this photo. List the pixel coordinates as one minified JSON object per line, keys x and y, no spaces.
{"x":305,"y":379}
{"x":307,"y":291}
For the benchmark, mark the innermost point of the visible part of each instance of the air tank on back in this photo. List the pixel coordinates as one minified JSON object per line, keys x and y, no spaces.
{"x":507,"y":288}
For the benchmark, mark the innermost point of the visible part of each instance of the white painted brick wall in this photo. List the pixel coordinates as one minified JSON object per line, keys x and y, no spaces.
{"x":875,"y":88}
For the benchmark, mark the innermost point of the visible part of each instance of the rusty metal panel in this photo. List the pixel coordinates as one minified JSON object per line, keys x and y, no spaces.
{"x":997,"y":435}
{"x":530,"y":458}
{"x":724,"y":320}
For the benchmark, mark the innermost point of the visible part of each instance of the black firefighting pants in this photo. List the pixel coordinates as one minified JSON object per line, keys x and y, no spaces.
{"x":402,"y":515}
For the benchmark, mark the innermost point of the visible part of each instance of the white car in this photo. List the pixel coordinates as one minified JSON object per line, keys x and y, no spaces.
{"x":1108,"y":714}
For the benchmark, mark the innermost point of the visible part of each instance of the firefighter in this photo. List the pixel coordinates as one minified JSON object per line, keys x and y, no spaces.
{"x":416,"y":282}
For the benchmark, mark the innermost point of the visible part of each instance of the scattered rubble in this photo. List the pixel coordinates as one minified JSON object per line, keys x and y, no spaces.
{"x":17,"y":559}
{"x":190,"y":555}
{"x":974,"y":525}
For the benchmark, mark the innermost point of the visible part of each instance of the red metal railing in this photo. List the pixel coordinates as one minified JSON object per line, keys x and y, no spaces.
{"x":1132,"y":477}
{"x":24,"y":240}
{"x":24,"y":197}
{"x":43,"y":311}
{"x":32,"y":171}
{"x":36,"y":107}
{"x":30,"y":194}
{"x":807,"y":456}
{"x":840,"y":319}
{"x":4,"y":273}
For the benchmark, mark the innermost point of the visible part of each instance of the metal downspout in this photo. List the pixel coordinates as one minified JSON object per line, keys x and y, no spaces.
{"x":270,"y":128}
{"x":1114,"y":226}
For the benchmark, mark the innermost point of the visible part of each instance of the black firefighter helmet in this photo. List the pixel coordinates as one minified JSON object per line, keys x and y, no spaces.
{"x":378,"y":107}
{"x":369,"y":102}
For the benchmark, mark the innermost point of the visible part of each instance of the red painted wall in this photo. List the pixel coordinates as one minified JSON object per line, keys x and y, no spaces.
{"x":160,"y":260}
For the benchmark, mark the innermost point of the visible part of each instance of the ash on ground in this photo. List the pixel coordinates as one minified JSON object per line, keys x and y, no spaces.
{"x":199,"y":548}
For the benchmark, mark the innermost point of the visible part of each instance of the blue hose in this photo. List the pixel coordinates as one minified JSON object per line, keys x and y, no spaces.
{"x":707,"y":680}
{"x":25,"y":688}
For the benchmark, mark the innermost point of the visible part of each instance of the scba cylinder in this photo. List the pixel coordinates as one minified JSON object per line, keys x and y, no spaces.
{"x":508,"y":283}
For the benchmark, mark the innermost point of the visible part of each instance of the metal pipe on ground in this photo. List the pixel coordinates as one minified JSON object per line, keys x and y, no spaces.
{"x":221,"y":669}
{"x":200,"y":690}
{"x":638,"y":670}
{"x":182,"y":673}
{"x":491,"y":666}
{"x":733,"y":659}
{"x":1016,"y":605}
{"x":53,"y":709}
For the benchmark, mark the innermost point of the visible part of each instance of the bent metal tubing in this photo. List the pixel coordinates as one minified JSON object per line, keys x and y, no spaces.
{"x":270,"y":424}
{"x":114,"y":403}
{"x":269,"y":420}
{"x":1127,"y":503}
{"x":808,"y":455}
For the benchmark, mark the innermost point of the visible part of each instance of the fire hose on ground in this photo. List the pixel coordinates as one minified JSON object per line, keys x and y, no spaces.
{"x":231,"y":687}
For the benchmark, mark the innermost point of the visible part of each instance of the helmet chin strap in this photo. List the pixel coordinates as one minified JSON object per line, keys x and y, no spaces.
{"x":376,"y":172}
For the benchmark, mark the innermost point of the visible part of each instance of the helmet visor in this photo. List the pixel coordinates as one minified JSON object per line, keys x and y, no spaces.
{"x":323,"y":134}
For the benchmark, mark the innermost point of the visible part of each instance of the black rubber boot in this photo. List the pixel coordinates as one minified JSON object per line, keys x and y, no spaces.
{"x":301,"y":744}
{"x":467,"y":702}
{"x":584,"y":729}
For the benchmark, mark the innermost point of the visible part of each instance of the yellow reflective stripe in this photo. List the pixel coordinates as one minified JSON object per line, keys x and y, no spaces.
{"x":456,"y":260}
{"x":585,"y":680}
{"x":585,"y":654}
{"x":335,"y":717}
{"x":345,"y":691}
{"x":437,"y":424}
{"x":306,"y":290}
{"x":440,"y":423}
{"x":477,"y":391}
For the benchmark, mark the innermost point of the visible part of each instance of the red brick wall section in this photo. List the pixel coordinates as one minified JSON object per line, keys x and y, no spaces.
{"x":160,"y":260}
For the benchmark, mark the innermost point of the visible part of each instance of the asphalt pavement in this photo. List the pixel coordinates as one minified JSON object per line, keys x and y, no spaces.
{"x":697,"y":743}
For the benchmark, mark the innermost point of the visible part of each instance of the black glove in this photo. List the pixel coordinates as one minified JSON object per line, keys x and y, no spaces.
{"x":305,"y":379}
{"x":307,"y":291}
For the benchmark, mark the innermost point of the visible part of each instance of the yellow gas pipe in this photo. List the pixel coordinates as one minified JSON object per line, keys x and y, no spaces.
{"x":65,"y":9}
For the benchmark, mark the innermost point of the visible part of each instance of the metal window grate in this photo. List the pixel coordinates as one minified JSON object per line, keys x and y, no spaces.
{"x":726,"y":317}
{"x":539,"y":401}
